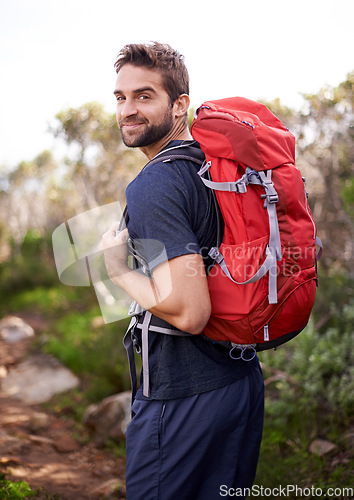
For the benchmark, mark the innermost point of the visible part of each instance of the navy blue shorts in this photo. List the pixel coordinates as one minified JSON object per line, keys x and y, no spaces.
{"x":194,"y":448}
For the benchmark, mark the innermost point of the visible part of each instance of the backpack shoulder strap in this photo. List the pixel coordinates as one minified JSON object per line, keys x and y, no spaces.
{"x":124,"y":219}
{"x":180,"y":152}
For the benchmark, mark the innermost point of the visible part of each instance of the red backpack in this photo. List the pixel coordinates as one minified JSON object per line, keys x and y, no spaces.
{"x":263,"y":284}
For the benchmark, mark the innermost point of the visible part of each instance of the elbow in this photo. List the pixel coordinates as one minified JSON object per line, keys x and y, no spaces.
{"x":195,"y":321}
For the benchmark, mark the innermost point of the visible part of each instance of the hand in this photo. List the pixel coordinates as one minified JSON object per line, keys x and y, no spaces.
{"x":115,"y":252}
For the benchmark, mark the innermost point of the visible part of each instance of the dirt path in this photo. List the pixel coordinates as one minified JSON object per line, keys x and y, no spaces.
{"x":50,"y":451}
{"x":50,"y":458}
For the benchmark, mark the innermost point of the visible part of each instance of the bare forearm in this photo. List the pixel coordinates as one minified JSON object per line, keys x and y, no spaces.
{"x":141,"y":288}
{"x":174,"y":306}
{"x":177,"y":292}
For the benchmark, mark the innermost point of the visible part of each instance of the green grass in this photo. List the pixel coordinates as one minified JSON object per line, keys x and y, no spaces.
{"x":51,"y":302}
{"x":285,"y":459}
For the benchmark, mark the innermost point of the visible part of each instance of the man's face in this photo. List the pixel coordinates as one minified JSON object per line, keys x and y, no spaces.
{"x":144,"y":112}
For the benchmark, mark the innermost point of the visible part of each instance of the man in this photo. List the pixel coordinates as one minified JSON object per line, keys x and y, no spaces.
{"x":199,"y":425}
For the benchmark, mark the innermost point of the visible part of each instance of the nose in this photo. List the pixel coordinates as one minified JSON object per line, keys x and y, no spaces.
{"x":126,"y":108}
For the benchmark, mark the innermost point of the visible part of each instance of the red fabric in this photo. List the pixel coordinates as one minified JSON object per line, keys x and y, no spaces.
{"x":236,"y":133}
{"x":265,"y":146}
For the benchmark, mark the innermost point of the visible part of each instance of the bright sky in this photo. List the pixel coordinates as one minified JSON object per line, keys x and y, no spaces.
{"x":55,"y":54}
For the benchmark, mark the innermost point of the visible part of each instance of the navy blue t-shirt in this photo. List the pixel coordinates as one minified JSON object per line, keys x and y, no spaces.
{"x":168,"y":203}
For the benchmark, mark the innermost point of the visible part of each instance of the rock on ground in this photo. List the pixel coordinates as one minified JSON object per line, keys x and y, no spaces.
{"x":110,"y":418}
{"x":14,"y":329}
{"x":37,"y":379}
{"x":322,"y":447}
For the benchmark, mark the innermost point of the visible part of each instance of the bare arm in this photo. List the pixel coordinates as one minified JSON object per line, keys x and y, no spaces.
{"x":177,"y":292}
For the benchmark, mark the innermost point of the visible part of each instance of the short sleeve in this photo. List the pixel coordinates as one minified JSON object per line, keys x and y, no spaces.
{"x":161,"y":204}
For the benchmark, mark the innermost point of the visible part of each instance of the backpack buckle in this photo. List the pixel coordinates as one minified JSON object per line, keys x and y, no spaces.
{"x":271,"y":194}
{"x":272,"y":198}
{"x":241,"y":186}
{"x":213,"y":253}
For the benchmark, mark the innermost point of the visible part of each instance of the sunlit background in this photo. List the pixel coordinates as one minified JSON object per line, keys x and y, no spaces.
{"x":56,"y":54}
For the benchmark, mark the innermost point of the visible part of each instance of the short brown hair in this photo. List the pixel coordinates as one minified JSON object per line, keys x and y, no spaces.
{"x":162,"y":57}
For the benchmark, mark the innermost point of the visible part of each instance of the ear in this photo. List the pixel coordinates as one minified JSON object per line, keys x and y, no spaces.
{"x":181,"y":105}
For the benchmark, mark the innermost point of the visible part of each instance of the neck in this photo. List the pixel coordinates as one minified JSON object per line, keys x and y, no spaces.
{"x":179,"y":132}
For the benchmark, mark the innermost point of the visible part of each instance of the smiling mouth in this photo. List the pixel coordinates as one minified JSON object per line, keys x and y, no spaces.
{"x":130,"y":124}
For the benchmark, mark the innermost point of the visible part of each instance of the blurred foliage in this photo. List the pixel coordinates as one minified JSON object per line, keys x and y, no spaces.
{"x":42,"y":193}
{"x":30,"y":266}
{"x":95,"y":353}
{"x":324,"y":130}
{"x":75,"y":334}
{"x":310,"y":393}
{"x":313,"y":375}
{"x":18,"y":490}
{"x":298,"y":410}
{"x":29,"y":284}
{"x":100,"y":166}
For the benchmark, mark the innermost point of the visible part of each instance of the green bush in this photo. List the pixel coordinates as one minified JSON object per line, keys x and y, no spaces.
{"x":316,"y":372}
{"x":309,"y":393}
{"x":29,"y":266}
{"x":18,"y":490}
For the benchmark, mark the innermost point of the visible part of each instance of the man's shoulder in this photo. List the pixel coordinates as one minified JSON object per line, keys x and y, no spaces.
{"x":174,"y":165}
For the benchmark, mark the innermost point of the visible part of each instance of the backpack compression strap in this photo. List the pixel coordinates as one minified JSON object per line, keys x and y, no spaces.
{"x":273,"y":250}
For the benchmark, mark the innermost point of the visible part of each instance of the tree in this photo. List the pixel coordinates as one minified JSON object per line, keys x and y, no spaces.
{"x":99,"y":165}
{"x":326,"y":154}
{"x":25,"y":196}
{"x":324,"y":131}
{"x":42,"y":193}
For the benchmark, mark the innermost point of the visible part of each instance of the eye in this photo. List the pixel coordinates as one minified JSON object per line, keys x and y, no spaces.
{"x":142,"y":97}
{"x":119,"y":97}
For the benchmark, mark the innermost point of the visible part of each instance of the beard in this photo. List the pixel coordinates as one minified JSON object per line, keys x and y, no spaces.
{"x":150,"y":134}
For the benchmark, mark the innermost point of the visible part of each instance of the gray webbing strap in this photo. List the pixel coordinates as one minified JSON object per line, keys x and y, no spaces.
{"x":239,"y":186}
{"x":145,"y":353}
{"x":319,"y":243}
{"x":271,"y":198}
{"x":273,"y":250}
{"x":267,"y":264}
{"x":146,"y":327}
{"x":166,"y":331}
{"x":130,"y":343}
{"x":236,"y":187}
